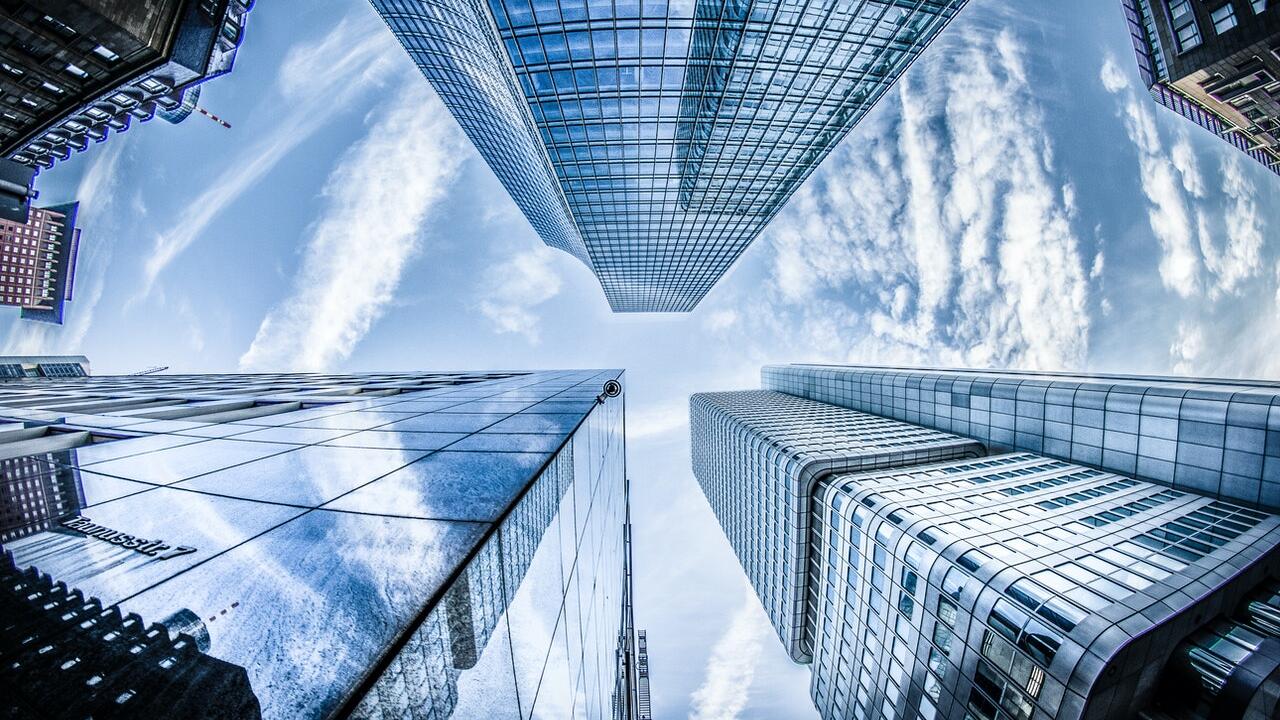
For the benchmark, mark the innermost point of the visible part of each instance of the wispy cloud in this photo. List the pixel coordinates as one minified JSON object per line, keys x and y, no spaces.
{"x":732,"y":665}
{"x":941,"y":231}
{"x":1212,"y":237}
{"x":1187,"y":348}
{"x":97,"y":194}
{"x":378,"y":198}
{"x":1184,"y":215}
{"x":514,"y":288}
{"x":1240,"y":257}
{"x":1166,"y":184}
{"x":316,"y":80}
{"x":654,"y":420}
{"x":721,"y":319}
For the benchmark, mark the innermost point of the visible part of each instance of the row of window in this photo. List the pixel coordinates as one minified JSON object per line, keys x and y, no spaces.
{"x":1186,"y":30}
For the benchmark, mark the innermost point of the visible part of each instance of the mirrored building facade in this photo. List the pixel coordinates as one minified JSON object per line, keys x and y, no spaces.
{"x":424,"y":545}
{"x":655,"y":139}
{"x":992,"y":583}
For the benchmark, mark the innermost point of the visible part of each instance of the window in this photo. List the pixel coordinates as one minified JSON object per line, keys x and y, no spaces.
{"x":106,"y":53}
{"x":1184,"y":24}
{"x":1258,"y":6}
{"x":1224,"y":18}
{"x":63,"y":29}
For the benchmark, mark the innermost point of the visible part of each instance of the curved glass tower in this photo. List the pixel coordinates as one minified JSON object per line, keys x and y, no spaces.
{"x":1005,"y":545}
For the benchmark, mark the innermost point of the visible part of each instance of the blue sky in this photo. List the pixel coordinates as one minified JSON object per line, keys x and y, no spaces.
{"x":1016,"y":201}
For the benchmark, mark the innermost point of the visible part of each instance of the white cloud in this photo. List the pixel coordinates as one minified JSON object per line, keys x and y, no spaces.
{"x":316,"y":81}
{"x":1241,"y":257}
{"x":1166,"y":178}
{"x":1185,"y":217}
{"x":515,"y":287}
{"x":732,"y":665}
{"x":942,"y":234}
{"x":1187,"y":348}
{"x":1184,"y":159}
{"x":97,"y":194}
{"x":722,"y":319}
{"x":653,"y":420}
{"x":1099,"y":264}
{"x":378,"y":197}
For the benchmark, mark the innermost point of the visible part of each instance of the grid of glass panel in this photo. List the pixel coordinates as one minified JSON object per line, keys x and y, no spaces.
{"x":430,"y":542}
{"x":454,"y":44}
{"x":969,"y":590}
{"x":531,"y":627}
{"x":1217,"y":437}
{"x":757,"y":455}
{"x":676,"y":128}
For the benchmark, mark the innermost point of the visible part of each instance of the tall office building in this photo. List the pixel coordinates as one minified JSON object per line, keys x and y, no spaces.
{"x":1216,"y":63}
{"x":379,"y":545}
{"x":38,"y":262}
{"x":654,"y":140}
{"x":927,"y":566}
{"x":72,"y":71}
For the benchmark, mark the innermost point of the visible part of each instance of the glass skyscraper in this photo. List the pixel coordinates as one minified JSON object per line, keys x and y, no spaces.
{"x":977,"y":580}
{"x":418,"y":545}
{"x":654,"y":139}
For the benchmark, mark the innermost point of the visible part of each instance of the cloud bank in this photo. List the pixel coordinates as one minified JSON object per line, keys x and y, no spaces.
{"x":1211,"y":235}
{"x":1203,"y":252}
{"x":950,"y":240}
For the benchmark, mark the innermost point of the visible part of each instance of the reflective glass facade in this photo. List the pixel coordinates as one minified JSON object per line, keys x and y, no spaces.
{"x":991,"y":586}
{"x":396,"y":545}
{"x":659,"y":135}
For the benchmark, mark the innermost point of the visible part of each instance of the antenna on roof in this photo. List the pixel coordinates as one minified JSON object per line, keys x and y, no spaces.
{"x":213,"y":117}
{"x":151,"y":370}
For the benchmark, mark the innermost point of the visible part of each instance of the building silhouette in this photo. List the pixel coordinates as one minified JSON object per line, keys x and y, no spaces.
{"x":926,"y":564}
{"x":66,"y":656}
{"x":654,"y":141}
{"x":76,"y":71}
{"x":1215,"y":64}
